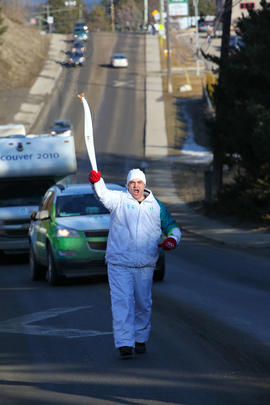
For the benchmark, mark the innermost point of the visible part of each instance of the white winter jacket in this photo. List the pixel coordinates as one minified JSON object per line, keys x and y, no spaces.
{"x":135,"y":228}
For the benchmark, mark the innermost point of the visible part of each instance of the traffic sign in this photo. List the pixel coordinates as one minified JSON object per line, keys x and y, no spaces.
{"x":70,"y":3}
{"x":178,"y":8}
{"x":50,"y":19}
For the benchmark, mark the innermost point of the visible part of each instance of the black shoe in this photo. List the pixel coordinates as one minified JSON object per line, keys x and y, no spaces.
{"x":126,"y":352}
{"x":140,"y":347}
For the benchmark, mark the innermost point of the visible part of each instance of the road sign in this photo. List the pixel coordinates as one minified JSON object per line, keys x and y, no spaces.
{"x":70,"y":3}
{"x":178,"y":8}
{"x":50,"y":20}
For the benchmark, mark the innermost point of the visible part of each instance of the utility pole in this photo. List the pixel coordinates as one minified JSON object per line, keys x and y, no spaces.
{"x":226,"y":19}
{"x":145,"y":12}
{"x":195,"y":5}
{"x":48,"y":17}
{"x":161,"y":9}
{"x":112,"y":16}
{"x":218,"y":151}
{"x":169,"y":73}
{"x":80,"y":12}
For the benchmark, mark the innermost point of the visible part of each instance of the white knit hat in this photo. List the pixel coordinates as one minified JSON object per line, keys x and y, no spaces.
{"x":136,"y":174}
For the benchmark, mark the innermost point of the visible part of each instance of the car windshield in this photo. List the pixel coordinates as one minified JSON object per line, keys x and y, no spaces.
{"x":80,"y":26}
{"x":80,"y":204}
{"x":61,"y":124}
{"x":119,"y":57}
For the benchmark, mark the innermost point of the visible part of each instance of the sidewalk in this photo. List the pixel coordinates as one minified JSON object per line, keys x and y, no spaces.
{"x":159,"y":172}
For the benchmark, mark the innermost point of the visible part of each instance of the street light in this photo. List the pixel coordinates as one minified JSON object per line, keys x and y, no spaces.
{"x":169,"y":73}
{"x":112,"y":16}
{"x":145,"y":12}
{"x":195,"y":4}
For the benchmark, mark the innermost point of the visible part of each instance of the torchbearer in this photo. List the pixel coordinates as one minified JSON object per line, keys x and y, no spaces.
{"x":138,"y":220}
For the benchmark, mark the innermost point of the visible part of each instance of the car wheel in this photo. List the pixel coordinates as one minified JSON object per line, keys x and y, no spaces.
{"x":53,"y":277}
{"x":159,"y":272}
{"x":37,"y":272}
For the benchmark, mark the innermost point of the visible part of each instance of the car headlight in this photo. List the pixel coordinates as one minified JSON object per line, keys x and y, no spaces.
{"x":67,"y":233}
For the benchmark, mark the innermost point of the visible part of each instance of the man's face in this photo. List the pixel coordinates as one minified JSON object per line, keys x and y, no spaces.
{"x":136,"y":189}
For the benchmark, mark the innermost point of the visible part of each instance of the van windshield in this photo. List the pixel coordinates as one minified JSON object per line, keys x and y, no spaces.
{"x":23,"y":191}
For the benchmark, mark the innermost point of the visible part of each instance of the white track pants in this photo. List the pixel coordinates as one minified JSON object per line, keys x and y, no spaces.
{"x":131,"y":298}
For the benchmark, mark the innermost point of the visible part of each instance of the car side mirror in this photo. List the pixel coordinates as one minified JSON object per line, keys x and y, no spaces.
{"x":43,"y":214}
{"x":33,"y":215}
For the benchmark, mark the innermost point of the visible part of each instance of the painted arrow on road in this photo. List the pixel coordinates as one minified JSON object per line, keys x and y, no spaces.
{"x":24,"y":325}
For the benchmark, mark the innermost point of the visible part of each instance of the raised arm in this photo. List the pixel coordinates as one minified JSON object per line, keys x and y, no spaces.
{"x":109,"y":198}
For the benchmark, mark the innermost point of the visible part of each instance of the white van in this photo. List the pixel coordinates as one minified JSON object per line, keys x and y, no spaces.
{"x":29,"y":165}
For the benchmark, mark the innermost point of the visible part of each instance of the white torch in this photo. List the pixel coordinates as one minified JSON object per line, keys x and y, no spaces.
{"x":88,"y":132}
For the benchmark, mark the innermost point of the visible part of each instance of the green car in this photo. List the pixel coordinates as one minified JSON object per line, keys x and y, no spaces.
{"x":68,"y":235}
{"x":81,"y":34}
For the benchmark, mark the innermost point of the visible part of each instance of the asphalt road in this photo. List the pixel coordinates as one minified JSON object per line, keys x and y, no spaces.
{"x":56,"y":342}
{"x":117,"y":102}
{"x":57,"y":346}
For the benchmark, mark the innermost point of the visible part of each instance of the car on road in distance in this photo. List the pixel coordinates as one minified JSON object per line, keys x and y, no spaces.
{"x":81,"y":25}
{"x":59,"y":127}
{"x":76,"y":58}
{"x":218,"y":30}
{"x":68,"y":234}
{"x":80,"y":34}
{"x":235,"y":43}
{"x":78,"y":45}
{"x":119,"y":60}
{"x":205,"y":26}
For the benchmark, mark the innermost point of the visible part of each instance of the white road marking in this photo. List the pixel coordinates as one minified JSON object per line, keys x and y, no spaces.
{"x":23,"y":325}
{"x":121,"y":83}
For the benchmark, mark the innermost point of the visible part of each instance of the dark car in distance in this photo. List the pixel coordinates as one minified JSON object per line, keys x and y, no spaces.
{"x":78,"y":46}
{"x":61,"y":127}
{"x":77,"y":58}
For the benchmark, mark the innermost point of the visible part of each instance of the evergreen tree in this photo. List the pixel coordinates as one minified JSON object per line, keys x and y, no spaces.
{"x":241,"y":129}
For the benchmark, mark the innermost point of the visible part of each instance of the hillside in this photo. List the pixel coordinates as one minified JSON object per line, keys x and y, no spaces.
{"x":22,"y":55}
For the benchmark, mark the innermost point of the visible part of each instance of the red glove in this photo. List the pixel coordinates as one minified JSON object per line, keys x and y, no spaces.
{"x":94,"y":176}
{"x":168,"y":244}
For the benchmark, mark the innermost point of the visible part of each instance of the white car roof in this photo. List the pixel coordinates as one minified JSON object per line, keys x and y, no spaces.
{"x":73,"y":189}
